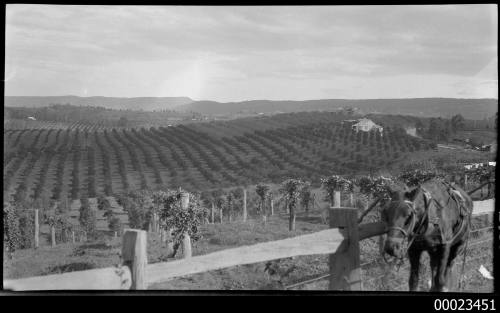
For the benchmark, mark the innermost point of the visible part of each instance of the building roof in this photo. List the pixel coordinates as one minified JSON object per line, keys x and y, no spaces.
{"x":366,"y":122}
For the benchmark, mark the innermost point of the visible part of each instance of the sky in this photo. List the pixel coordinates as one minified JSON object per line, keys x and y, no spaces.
{"x":225,"y":53}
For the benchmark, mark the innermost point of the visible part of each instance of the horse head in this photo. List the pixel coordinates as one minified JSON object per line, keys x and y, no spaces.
{"x":402,"y":213}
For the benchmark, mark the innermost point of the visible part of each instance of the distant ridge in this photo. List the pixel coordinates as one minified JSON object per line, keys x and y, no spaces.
{"x":136,"y":103}
{"x":424,"y":107}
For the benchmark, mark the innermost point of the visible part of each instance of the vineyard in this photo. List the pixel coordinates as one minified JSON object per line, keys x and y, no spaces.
{"x":86,"y":161}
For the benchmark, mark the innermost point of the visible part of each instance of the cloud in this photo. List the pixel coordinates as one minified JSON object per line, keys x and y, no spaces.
{"x":114,"y":48}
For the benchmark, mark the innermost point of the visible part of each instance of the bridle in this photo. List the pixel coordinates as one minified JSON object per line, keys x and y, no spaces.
{"x":410,"y":233}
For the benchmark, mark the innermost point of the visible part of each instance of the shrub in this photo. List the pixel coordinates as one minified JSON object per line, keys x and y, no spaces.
{"x":26,"y":228}
{"x":115,"y":225}
{"x":88,"y":218}
{"x":11,"y":233}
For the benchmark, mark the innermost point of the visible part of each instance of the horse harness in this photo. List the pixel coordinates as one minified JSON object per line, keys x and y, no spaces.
{"x":414,"y":230}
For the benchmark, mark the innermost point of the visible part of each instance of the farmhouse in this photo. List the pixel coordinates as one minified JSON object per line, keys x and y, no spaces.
{"x":412,"y":131}
{"x":366,"y":125}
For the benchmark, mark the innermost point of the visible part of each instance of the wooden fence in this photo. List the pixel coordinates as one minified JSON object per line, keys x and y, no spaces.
{"x":340,"y":241}
{"x":484,"y":208}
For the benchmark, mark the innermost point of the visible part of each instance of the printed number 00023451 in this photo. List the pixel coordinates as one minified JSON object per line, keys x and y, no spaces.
{"x":464,"y":305}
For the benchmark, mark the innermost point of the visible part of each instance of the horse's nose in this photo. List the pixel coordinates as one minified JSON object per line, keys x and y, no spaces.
{"x":392,"y":246}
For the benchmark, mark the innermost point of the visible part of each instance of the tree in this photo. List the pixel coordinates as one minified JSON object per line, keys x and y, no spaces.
{"x":102,"y":203}
{"x":11,"y":233}
{"x":290,"y":189}
{"x":207,"y":200}
{"x":26,"y":227}
{"x":335,"y":183}
{"x":262,"y":190}
{"x":115,"y":224}
{"x":457,"y":122}
{"x":88,"y":218}
{"x":123,"y":122}
{"x":375,"y":188}
{"x":439,"y":129}
{"x":63,"y":227}
{"x":219,"y":199}
{"x":179,"y":220}
{"x":63,"y":206}
{"x":139,"y":206}
{"x":229,"y":204}
{"x":306,"y":196}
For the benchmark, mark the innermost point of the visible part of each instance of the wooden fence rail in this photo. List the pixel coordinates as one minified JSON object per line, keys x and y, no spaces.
{"x":341,"y":241}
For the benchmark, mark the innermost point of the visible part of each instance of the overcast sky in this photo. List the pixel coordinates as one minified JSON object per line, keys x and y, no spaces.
{"x":244,"y":53}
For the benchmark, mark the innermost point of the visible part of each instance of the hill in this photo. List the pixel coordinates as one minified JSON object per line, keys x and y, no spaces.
{"x":138,"y":103}
{"x":423,"y":107}
{"x":70,"y":116}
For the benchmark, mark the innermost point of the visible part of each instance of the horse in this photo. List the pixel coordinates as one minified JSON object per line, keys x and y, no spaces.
{"x":432,"y":217}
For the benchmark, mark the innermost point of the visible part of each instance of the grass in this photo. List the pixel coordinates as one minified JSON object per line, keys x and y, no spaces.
{"x":105,"y":253}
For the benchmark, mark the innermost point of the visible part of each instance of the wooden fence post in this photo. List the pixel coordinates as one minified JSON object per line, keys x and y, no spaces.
{"x":52,"y":236}
{"x":73,"y":236}
{"x":158,"y":222}
{"x":220,"y":213}
{"x":170,"y":244}
{"x":272,"y":207}
{"x":345,"y":271}
{"x":244,"y":205}
{"x":155,"y":222}
{"x":37,"y":230}
{"x":212,"y":213}
{"x":336,"y":202}
{"x":186,"y":242}
{"x":134,"y":254}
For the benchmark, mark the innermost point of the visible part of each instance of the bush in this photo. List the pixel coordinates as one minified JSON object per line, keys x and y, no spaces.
{"x":180,"y":221}
{"x":115,"y":225}
{"x":103,"y":203}
{"x":63,"y":228}
{"x":88,"y":218}
{"x":11,"y":234}
{"x":26,"y":229}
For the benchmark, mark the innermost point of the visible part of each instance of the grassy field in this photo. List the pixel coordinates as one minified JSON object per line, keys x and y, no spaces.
{"x":105,"y":252}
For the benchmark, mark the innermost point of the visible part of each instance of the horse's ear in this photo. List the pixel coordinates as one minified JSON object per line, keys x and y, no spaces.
{"x":411,"y":194}
{"x":394,"y":194}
